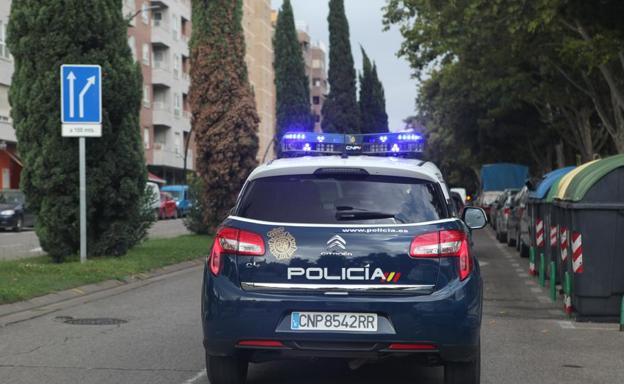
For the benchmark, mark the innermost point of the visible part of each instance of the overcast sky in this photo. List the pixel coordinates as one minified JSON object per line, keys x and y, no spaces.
{"x":365,"y":27}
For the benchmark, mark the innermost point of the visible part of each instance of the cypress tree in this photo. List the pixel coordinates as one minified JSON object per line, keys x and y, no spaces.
{"x":43,"y":35}
{"x":381,"y":117}
{"x":225,"y":120}
{"x":367,"y":96}
{"x":340,"y":110}
{"x":292,"y":88}
{"x":372,"y":100}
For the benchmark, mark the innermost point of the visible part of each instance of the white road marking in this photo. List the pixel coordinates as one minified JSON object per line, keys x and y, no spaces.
{"x":566,"y":324}
{"x":536,"y":290}
{"x":483,"y":263}
{"x":515,"y":265}
{"x":201,"y":374}
{"x":530,"y":282}
{"x":523,"y":275}
{"x":555,"y":312}
{"x":543,"y":299}
{"x":519,"y":270}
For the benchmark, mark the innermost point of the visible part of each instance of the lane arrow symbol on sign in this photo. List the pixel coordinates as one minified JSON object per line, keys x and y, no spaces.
{"x":71,"y":77}
{"x":90,"y":82}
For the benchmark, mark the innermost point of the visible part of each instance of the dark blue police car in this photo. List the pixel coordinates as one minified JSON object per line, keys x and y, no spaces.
{"x":347,"y":248}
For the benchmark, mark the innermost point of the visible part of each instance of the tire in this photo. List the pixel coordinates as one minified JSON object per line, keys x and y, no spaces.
{"x":524,"y":250}
{"x":226,"y":370}
{"x":511,"y":242}
{"x":19,"y":225}
{"x":463,"y":373}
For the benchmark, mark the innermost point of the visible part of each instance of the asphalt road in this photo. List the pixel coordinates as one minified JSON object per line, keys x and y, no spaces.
{"x":25,"y":244}
{"x":526,"y":339}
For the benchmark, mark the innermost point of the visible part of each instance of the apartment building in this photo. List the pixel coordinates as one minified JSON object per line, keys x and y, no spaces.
{"x":10,"y":164}
{"x":158,"y":37}
{"x":259,"y":58}
{"x":314,"y":55}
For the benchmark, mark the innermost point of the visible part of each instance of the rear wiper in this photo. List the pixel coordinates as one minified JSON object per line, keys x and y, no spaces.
{"x":364,"y":215}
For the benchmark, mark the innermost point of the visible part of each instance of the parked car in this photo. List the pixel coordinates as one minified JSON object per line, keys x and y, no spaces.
{"x":14,"y":212}
{"x":458,"y":203}
{"x":153,"y":192}
{"x":518,"y":224}
{"x":462,"y":192}
{"x":486,"y":199}
{"x":181,"y":196}
{"x":500,"y":211}
{"x":168,"y":209}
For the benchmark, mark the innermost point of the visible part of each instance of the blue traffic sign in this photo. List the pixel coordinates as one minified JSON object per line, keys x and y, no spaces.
{"x":81,"y":94}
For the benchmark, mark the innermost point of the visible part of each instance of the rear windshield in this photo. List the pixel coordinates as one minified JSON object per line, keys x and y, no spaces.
{"x":342,"y":199}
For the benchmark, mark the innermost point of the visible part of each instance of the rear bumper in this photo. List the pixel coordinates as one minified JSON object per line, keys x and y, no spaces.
{"x":8,"y":221}
{"x":449,"y":319}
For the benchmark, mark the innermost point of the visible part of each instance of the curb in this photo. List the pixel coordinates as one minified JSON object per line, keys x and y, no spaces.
{"x":43,"y":305}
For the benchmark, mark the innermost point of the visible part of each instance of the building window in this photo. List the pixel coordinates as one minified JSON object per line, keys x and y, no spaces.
{"x":176,"y":65}
{"x":146,"y":96}
{"x":177,"y":142}
{"x":132,"y":45}
{"x":316,"y":63}
{"x":177,"y":104}
{"x":146,"y":138}
{"x":146,"y":54}
{"x":317,"y":118}
{"x":175,"y":26}
{"x":316,"y":100}
{"x":5,"y":108}
{"x":316,"y":82}
{"x":4,"y":50}
{"x":157,"y":18}
{"x":145,"y":13}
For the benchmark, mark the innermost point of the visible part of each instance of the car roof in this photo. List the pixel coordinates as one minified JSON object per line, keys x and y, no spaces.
{"x":375,"y":165}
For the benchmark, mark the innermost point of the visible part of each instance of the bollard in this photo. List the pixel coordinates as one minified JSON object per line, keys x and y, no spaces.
{"x":567,"y":296}
{"x":553,"y":281}
{"x":532,"y":261}
{"x":542,"y":271}
{"x":622,"y":316}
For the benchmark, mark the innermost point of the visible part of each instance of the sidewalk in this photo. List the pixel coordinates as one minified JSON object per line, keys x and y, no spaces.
{"x":25,"y":244}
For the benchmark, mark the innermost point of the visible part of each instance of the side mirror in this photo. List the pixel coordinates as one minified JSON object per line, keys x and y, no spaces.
{"x":474,"y":217}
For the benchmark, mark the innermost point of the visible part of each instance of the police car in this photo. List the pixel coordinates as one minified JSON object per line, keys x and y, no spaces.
{"x":347,"y":247}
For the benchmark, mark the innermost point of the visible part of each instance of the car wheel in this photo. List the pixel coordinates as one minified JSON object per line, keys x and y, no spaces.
{"x":524,"y":250}
{"x":226,"y":370}
{"x":19,"y":225}
{"x":511,"y":241}
{"x":463,"y":373}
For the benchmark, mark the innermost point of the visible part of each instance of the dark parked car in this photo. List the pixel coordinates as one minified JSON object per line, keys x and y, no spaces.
{"x":501,"y":210}
{"x":14,"y":213}
{"x":518,"y":224}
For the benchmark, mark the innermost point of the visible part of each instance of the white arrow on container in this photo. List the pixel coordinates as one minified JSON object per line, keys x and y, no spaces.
{"x":90,"y":82}
{"x":71,"y":77}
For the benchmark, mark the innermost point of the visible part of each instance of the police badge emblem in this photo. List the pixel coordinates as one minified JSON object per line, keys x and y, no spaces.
{"x":281,"y":243}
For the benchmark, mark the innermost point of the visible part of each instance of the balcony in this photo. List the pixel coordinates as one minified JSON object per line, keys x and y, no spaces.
{"x":161,"y":34}
{"x":167,"y":156}
{"x":7,"y":133}
{"x":161,"y":114}
{"x":161,"y":74}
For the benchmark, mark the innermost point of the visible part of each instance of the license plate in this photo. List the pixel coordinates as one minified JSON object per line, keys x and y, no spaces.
{"x":332,"y":321}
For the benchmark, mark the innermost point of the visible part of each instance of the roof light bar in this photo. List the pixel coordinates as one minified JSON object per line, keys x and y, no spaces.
{"x":388,"y":144}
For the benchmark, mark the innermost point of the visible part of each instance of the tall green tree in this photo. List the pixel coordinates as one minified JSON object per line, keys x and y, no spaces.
{"x":42,"y":35}
{"x":225,"y":120}
{"x":340,"y":110}
{"x":372,"y":100}
{"x":292,"y":88}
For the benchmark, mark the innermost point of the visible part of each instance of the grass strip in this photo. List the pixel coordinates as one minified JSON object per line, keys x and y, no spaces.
{"x":27,"y":278}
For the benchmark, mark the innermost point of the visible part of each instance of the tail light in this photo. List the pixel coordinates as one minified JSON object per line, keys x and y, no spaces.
{"x":447,"y":243}
{"x":507,"y":211}
{"x":235,"y":242}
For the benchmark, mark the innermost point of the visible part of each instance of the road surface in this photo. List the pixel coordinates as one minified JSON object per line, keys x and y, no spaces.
{"x":526,"y":339}
{"x":25,"y":244}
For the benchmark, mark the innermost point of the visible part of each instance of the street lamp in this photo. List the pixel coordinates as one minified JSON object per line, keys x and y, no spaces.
{"x":143,"y":9}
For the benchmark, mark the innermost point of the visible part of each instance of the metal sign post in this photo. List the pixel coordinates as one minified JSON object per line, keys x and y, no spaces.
{"x":86,"y":82}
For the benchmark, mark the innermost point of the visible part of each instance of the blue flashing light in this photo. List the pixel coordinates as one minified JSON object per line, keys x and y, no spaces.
{"x":388,"y":144}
